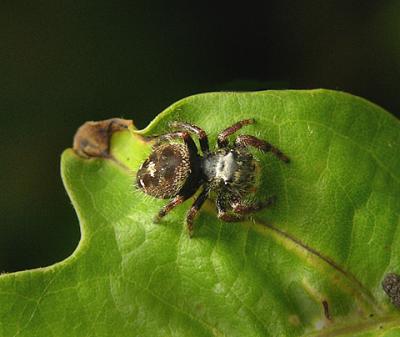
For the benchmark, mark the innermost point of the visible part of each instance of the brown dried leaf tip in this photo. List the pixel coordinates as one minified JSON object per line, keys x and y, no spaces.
{"x":93,"y":138}
{"x":391,"y":286}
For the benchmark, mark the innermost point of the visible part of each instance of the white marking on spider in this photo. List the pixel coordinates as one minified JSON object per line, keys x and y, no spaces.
{"x":226,"y":167}
{"x":152,"y":168}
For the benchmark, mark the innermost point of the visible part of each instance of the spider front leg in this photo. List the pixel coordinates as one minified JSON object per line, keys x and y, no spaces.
{"x":241,"y":208}
{"x":247,"y":140}
{"x":222,"y":137}
{"x":222,"y":211}
{"x":195,"y":208}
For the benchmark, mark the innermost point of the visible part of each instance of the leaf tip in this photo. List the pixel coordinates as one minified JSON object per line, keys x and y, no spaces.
{"x":92,"y":139}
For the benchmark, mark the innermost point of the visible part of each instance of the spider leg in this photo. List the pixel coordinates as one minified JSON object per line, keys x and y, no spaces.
{"x":195,"y":208}
{"x":185,"y":136}
{"x":240,"y":208}
{"x":247,"y":140}
{"x":177,"y":200}
{"x":203,"y":139}
{"x":222,"y":137}
{"x":222,"y":211}
{"x":230,"y":217}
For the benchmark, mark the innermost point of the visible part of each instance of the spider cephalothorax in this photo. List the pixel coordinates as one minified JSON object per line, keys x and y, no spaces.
{"x":176,"y":170}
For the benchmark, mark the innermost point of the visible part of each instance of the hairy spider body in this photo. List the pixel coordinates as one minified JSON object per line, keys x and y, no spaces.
{"x":176,"y":170}
{"x":231,"y":170}
{"x":165,"y":173}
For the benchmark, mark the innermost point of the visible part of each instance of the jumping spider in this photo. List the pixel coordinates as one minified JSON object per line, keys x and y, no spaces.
{"x":176,"y":170}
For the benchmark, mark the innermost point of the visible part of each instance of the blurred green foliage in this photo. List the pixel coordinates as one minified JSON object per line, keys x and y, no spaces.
{"x":65,"y":62}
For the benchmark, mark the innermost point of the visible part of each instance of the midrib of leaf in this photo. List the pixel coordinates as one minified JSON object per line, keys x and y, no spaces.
{"x":321,"y":261}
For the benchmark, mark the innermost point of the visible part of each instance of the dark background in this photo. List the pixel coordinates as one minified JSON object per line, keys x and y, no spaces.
{"x":62,"y":63}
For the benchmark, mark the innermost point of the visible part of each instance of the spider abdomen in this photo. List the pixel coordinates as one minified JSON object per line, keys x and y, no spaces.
{"x":165,"y":172}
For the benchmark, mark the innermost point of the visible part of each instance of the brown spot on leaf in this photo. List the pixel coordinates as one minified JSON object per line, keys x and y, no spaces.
{"x":93,"y":138}
{"x":326,"y":310}
{"x":391,"y":286}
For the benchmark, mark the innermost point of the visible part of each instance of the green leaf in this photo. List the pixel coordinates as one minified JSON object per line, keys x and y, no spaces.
{"x":310,"y":265}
